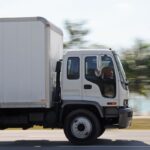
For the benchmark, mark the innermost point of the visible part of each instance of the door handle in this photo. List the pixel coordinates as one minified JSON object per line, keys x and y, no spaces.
{"x":87,"y":86}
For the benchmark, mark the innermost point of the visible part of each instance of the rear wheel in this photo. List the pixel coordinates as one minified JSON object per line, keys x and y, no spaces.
{"x":81,"y":127}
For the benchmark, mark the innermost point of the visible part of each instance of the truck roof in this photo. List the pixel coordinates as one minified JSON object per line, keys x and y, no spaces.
{"x":26,"y":19}
{"x":87,"y":51}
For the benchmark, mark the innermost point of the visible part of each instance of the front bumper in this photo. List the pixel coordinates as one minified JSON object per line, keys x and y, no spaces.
{"x":125,"y":117}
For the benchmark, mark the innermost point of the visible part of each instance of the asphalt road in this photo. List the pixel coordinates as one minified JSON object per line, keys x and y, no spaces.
{"x":56,"y":140}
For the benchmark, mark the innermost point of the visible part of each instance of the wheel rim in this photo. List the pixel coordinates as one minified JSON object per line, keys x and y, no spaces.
{"x":81,"y":127}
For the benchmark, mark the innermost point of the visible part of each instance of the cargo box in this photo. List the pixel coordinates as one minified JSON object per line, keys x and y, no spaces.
{"x":29,"y":49}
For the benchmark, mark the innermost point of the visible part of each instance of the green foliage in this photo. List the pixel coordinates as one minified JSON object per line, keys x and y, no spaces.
{"x":136,"y":62}
{"x":76,"y":34}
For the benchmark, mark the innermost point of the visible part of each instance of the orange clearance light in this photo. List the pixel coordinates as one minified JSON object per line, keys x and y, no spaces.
{"x":111,"y":103}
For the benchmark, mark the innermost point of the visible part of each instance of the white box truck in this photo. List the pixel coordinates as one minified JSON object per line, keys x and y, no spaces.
{"x":82,"y":91}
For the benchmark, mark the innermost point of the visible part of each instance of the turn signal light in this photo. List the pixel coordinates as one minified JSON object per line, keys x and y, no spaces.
{"x":111,"y":103}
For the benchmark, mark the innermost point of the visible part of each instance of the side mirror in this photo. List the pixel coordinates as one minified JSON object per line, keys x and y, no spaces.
{"x":126,"y":82}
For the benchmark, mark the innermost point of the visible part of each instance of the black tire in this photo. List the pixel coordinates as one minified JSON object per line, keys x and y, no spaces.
{"x":101,"y":131}
{"x":91,"y":119}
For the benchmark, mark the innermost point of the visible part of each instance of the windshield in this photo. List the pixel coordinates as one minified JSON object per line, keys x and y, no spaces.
{"x":121,"y":71}
{"x":120,"y":67}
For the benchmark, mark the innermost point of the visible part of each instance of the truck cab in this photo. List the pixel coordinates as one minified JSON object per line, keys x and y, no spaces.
{"x":94,"y":81}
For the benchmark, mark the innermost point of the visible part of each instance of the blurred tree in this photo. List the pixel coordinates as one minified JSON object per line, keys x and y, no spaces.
{"x":76,"y":33}
{"x":136,"y":62}
{"x":97,"y":46}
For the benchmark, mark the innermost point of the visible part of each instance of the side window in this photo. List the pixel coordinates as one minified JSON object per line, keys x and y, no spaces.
{"x":90,"y":67}
{"x":73,"y":68}
{"x":103,"y":76}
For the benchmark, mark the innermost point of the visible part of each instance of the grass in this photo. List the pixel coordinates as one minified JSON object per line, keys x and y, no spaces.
{"x":140,"y":123}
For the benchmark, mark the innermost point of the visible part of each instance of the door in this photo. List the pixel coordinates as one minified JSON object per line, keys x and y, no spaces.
{"x":71,"y":83}
{"x":99,"y":79}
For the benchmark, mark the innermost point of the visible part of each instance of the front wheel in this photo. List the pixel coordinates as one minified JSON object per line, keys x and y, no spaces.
{"x":81,"y":127}
{"x":101,"y":131}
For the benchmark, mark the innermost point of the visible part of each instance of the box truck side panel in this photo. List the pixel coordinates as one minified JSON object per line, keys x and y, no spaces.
{"x":55,"y":54}
{"x":22,"y":64}
{"x":1,"y":66}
